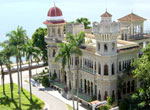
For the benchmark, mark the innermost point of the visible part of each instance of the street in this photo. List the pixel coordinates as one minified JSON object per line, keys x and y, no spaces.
{"x":51,"y":102}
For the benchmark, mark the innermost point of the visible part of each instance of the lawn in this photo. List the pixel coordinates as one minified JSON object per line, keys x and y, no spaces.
{"x":7,"y":104}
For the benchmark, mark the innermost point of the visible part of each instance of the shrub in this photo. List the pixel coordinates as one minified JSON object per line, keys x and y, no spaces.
{"x":104,"y":107}
{"x":110,"y":100}
{"x":93,"y":98}
{"x":45,"y":81}
{"x":124,"y":105}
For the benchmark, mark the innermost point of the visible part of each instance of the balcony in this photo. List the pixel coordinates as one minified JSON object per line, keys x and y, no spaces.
{"x":87,"y":69}
{"x":82,"y":96}
{"x":57,"y":83}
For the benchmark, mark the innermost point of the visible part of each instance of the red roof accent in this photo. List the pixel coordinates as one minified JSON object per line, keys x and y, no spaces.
{"x":131,"y":18}
{"x":54,"y":11}
{"x":106,"y":14}
{"x":54,"y":22}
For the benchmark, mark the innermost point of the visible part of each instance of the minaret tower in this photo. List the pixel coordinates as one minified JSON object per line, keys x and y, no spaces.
{"x":106,"y":36}
{"x":55,"y":26}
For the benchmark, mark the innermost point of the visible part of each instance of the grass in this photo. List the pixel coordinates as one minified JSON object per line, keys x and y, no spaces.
{"x":69,"y":107}
{"x":26,"y":104}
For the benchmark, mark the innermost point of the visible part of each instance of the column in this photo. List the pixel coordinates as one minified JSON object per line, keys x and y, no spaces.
{"x":109,"y":69}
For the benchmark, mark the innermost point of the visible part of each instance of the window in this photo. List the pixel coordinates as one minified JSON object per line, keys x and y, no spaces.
{"x":128,"y":87}
{"x":54,"y":52}
{"x":105,"y":47}
{"x":106,"y":70}
{"x":113,"y":69}
{"x":81,"y":83}
{"x":119,"y":66}
{"x":133,"y":86}
{"x":124,"y":88}
{"x":99,"y":96}
{"x":113,"y":94}
{"x":113,"y":46}
{"x":59,"y":32}
{"x":99,"y":68}
{"x":53,"y":32}
{"x":98,"y":46}
{"x":106,"y":94}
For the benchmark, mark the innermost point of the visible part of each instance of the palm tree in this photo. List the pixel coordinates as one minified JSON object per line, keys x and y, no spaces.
{"x":2,"y":62}
{"x":76,"y":43}
{"x":64,"y":55}
{"x":84,"y":21}
{"x":17,"y":39}
{"x":31,"y":52}
{"x":8,"y":52}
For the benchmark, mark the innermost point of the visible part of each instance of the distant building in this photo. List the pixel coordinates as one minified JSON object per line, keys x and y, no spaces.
{"x":105,"y":60}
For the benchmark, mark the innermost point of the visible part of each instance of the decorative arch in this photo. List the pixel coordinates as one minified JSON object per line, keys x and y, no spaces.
{"x":54,"y":52}
{"x":106,"y":69}
{"x":113,"y":69}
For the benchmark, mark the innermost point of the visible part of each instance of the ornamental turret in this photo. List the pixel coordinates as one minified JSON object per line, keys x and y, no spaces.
{"x":106,"y":33}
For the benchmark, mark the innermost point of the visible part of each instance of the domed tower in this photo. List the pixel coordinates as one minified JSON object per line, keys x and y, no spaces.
{"x":106,"y":33}
{"x":55,"y":26}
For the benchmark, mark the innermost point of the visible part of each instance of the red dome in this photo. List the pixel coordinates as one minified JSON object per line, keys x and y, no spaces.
{"x":54,"y":11}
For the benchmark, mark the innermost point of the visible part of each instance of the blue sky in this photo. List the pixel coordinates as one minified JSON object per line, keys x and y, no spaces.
{"x":31,"y":13}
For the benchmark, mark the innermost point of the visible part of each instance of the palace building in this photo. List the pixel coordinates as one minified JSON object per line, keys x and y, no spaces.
{"x":105,"y":63}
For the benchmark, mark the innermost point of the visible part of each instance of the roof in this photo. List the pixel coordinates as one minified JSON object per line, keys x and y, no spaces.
{"x":106,"y":14}
{"x":54,"y":11}
{"x":132,"y":17}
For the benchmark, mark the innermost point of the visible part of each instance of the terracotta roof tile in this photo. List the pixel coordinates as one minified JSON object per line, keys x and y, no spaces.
{"x":106,"y":14}
{"x":132,"y":17}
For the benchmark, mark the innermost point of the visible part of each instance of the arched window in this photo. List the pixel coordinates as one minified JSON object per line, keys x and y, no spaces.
{"x":113,"y":46}
{"x":106,"y":70}
{"x":119,"y":66}
{"x":54,"y":52}
{"x":124,"y":88}
{"x":99,"y":96}
{"x":55,"y":75}
{"x":126,"y":37}
{"x":106,"y":94}
{"x":113,"y":94}
{"x":128,"y":87}
{"x":59,"y":33}
{"x":85,"y":88}
{"x":133,"y":86}
{"x":99,"y":68}
{"x":98,"y":46}
{"x":91,"y":88}
{"x":105,"y":47}
{"x":113,"y":69}
{"x":122,"y":37}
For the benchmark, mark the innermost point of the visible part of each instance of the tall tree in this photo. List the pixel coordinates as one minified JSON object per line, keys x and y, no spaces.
{"x":84,"y":21}
{"x":141,"y":99}
{"x":2,"y":62}
{"x":76,"y":43}
{"x":8,"y":52}
{"x":64,"y":55}
{"x":38,"y":41}
{"x":31,"y":52}
{"x":17,"y":40}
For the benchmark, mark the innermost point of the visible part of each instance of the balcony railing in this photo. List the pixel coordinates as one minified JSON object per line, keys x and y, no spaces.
{"x":87,"y":69}
{"x":57,"y":83}
{"x":83,"y":96}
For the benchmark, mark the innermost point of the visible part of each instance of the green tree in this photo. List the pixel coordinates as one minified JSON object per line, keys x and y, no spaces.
{"x":31,"y":52}
{"x":38,"y":41}
{"x":45,"y":81}
{"x":17,"y":40}
{"x":8,"y":52}
{"x":64,"y":55}
{"x":84,"y":21}
{"x":76,"y":42}
{"x":2,"y":62}
{"x":142,"y":72}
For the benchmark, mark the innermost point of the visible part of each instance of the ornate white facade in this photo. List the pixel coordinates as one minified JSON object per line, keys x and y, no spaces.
{"x":103,"y":62}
